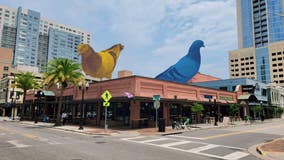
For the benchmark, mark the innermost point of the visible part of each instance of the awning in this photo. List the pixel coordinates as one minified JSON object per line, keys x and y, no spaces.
{"x":45,"y":93}
{"x":48,"y":93}
{"x":244,"y":97}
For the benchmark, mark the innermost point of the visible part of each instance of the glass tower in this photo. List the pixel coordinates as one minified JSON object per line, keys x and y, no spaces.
{"x":36,"y":40}
{"x":260,"y":23}
{"x":27,"y":37}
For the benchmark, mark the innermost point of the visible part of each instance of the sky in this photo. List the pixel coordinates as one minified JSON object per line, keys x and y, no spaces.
{"x":155,"y":33}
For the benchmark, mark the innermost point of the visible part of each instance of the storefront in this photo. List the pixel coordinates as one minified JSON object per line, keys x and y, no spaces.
{"x":138,"y":110}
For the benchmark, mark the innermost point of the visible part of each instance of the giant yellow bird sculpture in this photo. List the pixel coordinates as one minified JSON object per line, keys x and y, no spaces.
{"x":99,"y":64}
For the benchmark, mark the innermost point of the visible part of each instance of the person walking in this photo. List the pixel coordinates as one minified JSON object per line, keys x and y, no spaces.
{"x":64,"y":117}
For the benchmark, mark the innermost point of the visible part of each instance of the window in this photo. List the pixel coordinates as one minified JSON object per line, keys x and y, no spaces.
{"x":263,"y":92}
{"x":224,"y":88}
{"x":6,"y":68}
{"x":5,"y":75}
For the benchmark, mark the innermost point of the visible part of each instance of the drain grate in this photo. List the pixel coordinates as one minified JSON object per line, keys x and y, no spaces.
{"x":97,"y":136}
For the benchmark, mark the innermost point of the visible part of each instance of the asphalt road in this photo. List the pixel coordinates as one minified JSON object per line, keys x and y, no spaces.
{"x":28,"y":142}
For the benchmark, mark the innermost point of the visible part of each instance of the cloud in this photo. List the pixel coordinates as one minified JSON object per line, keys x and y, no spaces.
{"x":156,"y":33}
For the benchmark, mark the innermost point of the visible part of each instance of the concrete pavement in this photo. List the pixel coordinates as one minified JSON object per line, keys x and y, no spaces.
{"x":268,"y":151}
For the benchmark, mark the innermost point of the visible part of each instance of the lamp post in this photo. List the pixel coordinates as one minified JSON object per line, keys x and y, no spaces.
{"x":82,"y":88}
{"x":13,"y":104}
{"x":38,"y":95}
{"x":215,"y":113}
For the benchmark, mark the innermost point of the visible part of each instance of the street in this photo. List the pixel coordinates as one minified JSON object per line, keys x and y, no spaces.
{"x":21,"y":141}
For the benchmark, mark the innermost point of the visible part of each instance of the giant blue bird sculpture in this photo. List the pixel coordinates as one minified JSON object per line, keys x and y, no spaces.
{"x":186,"y":67}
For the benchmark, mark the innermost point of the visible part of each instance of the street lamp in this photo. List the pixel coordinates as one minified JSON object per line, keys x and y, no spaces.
{"x":82,"y":88}
{"x":13,"y":104}
{"x":38,"y":95}
{"x":216,"y":113}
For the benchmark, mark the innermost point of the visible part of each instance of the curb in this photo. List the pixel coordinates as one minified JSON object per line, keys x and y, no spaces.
{"x":171,"y":133}
{"x":253,"y":151}
{"x":87,"y":133}
{"x":260,"y":151}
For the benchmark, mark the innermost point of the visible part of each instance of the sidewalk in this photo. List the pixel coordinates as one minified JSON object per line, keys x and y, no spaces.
{"x":273,"y":150}
{"x":135,"y":132}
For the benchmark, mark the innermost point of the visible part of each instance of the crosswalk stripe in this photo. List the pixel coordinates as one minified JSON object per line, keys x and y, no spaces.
{"x":175,"y":144}
{"x":133,"y":138}
{"x":232,"y":156}
{"x":153,"y":140}
{"x":17,"y":144}
{"x":203,"y":148}
{"x":198,"y":138}
{"x":235,"y":155}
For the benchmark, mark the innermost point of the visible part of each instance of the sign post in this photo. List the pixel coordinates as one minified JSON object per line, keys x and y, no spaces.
{"x":156,"y":99}
{"x":106,"y":97}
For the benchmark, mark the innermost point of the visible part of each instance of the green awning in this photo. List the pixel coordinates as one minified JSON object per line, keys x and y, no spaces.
{"x":48,"y":93}
{"x":244,"y":97}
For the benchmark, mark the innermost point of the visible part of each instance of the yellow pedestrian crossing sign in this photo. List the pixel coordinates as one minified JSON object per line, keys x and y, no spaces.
{"x":106,"y":96}
{"x":106,"y":104}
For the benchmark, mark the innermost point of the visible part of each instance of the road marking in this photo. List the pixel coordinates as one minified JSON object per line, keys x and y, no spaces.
{"x":236,"y":155}
{"x":31,"y":136}
{"x":232,"y":156}
{"x":154,"y":140}
{"x":17,"y":144}
{"x":240,"y":132}
{"x":203,"y":148}
{"x":198,"y":138}
{"x":133,"y":138}
{"x":175,"y":144}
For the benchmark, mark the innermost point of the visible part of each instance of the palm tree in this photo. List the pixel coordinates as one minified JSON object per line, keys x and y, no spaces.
{"x":26,"y":81}
{"x":62,"y":72}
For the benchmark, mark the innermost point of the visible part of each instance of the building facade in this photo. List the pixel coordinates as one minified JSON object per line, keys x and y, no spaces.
{"x":34,"y":39}
{"x":251,"y":93}
{"x":176,"y":100}
{"x":249,"y":86}
{"x":260,"y":50}
{"x":6,"y":58}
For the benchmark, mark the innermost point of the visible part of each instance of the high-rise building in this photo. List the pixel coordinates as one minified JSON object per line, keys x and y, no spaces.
{"x":260,"y":50}
{"x":36,"y":40}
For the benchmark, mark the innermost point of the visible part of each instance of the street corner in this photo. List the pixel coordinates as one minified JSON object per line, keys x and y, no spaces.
{"x":272,"y":150}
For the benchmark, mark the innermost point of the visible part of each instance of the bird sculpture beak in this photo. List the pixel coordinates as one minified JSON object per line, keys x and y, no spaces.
{"x":80,"y":48}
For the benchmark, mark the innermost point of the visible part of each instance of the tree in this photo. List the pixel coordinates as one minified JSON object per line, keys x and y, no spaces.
{"x":62,"y":72}
{"x":279,"y":111}
{"x":197,"y":108}
{"x":234,"y":109}
{"x":26,"y":81}
{"x":257,"y":109}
